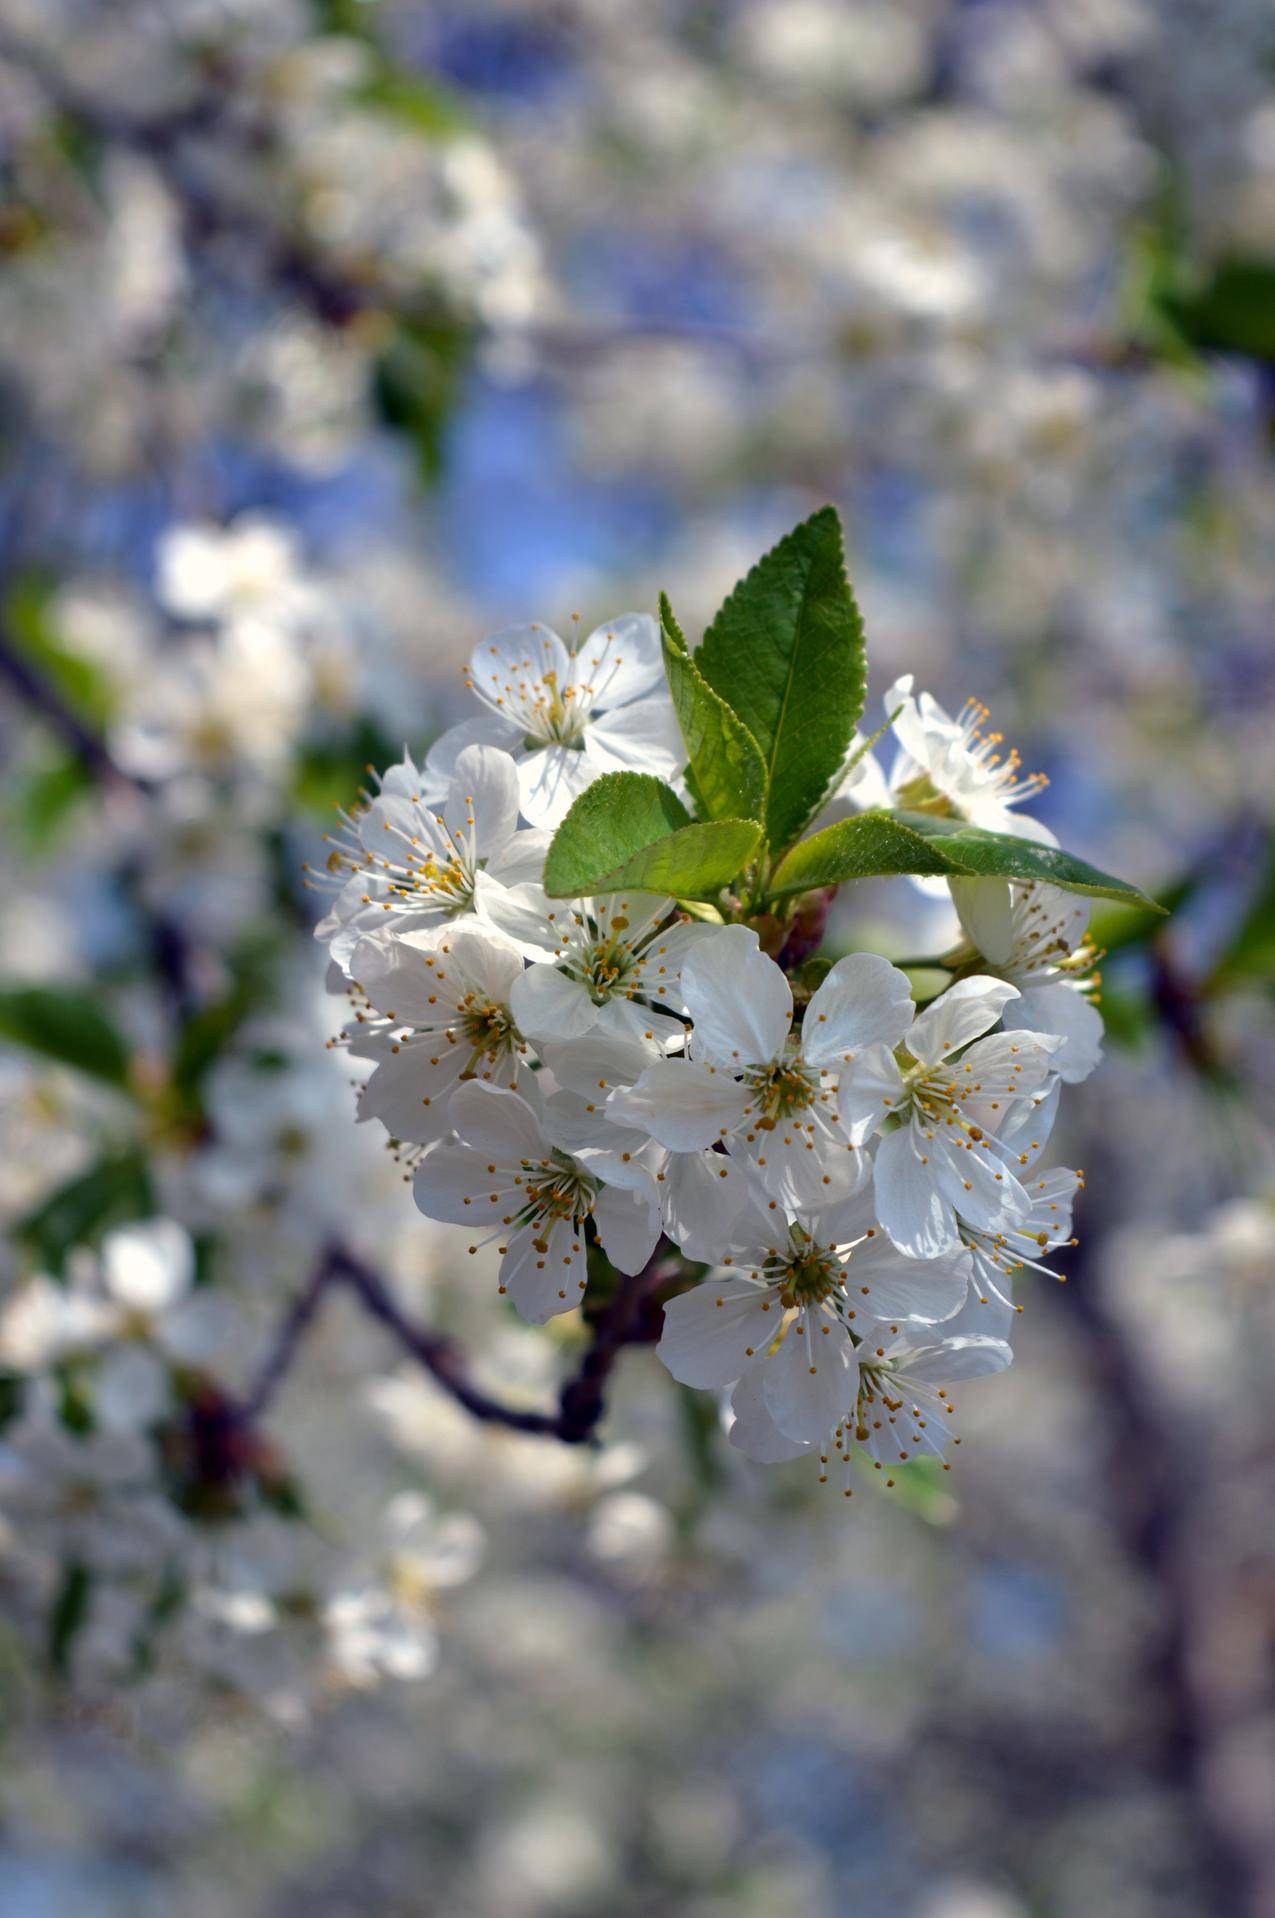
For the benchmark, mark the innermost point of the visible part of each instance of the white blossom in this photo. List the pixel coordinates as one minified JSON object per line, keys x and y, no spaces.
{"x":749,"y":1083}
{"x":399,"y":860}
{"x":948,"y":1103}
{"x":443,"y":997}
{"x":617,"y":966}
{"x":1035,"y":936}
{"x":504,"y":1170}
{"x":898,"y":1405}
{"x":568,"y":717}
{"x":807,"y":1294}
{"x":948,"y":765}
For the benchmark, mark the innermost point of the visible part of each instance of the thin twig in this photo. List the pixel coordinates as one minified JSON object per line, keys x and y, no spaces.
{"x":581,"y":1402}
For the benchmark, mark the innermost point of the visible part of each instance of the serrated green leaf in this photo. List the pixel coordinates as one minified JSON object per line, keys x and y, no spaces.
{"x":631,"y":830}
{"x":113,"y":1192}
{"x":786,"y":652}
{"x":727,"y":771}
{"x":63,"y":1023}
{"x":880,"y":843}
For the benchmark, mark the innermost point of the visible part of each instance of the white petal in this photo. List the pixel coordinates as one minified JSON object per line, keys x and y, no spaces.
{"x":984,"y":909}
{"x":885,"y":1284}
{"x":715,"y":1332}
{"x":148,"y":1266}
{"x":487,"y":959}
{"x":739,"y":999}
{"x":963,"y":1012}
{"x":812,"y":1381}
{"x":644,"y":736}
{"x":497,"y":1125}
{"x":955,"y":1361}
{"x":684,"y":1105}
{"x":1061,"y":1010}
{"x":628,"y":1225}
{"x":630,"y":1021}
{"x":753,"y":1431}
{"x":509,"y":669}
{"x":909,"y":1204}
{"x":868,"y":1092}
{"x":976,"y":1184}
{"x":805,"y":1172}
{"x":521,"y":912}
{"x":546,"y":1004}
{"x":131,"y":1389}
{"x":619,"y":661}
{"x":521,"y":861}
{"x":409,"y":1092}
{"x":593,"y":1065}
{"x":550,"y":781}
{"x":863,"y":1001}
{"x":483,"y":798}
{"x":440,"y":761}
{"x":401,"y":976}
{"x":203,"y":1328}
{"x":706,"y":1203}
{"x":454,"y":1185}
{"x":544,"y":1276}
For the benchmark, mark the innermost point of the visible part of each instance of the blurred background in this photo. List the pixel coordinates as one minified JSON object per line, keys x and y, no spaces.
{"x":337,"y":333}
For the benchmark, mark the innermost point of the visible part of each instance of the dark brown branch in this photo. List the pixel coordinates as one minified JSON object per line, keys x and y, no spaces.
{"x":581,"y":1402}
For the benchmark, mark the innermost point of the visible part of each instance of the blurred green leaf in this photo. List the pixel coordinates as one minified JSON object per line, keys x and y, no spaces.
{"x":67,"y":1024}
{"x":1251,"y":954}
{"x":113,"y":1192}
{"x":1232,"y":310}
{"x":629,"y":830}
{"x":417,"y":382}
{"x":44,"y":804}
{"x":413,"y":101}
{"x":29,"y":622}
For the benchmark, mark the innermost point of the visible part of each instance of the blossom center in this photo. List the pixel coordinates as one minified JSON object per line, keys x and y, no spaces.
{"x":557,"y":1191}
{"x":779,"y":1090}
{"x":809,"y":1275}
{"x":488,"y":1027}
{"x":555,"y":715}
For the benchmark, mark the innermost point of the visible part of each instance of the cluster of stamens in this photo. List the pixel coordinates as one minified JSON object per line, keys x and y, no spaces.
{"x":547,"y":712}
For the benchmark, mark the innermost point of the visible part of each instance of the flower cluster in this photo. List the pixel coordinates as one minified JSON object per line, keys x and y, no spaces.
{"x":843,"y":1182}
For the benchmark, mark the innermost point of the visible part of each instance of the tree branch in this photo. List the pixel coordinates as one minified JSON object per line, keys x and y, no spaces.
{"x":627,"y":1320}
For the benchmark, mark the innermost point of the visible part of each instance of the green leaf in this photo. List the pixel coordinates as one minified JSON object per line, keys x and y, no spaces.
{"x":1231,"y":312}
{"x":786,"y":652}
{"x":417,"y":382}
{"x":631,"y":830}
{"x":43,"y":806}
{"x":878,"y":843}
{"x":29,"y":615}
{"x":66,"y":1024}
{"x":727,"y":771}
{"x":113,"y":1192}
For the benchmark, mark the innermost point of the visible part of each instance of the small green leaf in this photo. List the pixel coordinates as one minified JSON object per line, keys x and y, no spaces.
{"x":113,"y":1192}
{"x":786,"y":652}
{"x":881,"y":843}
{"x":66,"y":1024}
{"x":631,"y":830}
{"x":727,"y":771}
